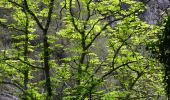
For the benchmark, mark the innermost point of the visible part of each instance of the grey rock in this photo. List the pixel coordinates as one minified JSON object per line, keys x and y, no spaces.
{"x":6,"y":96}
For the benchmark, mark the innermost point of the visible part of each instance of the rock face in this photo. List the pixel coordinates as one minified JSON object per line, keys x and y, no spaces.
{"x":155,"y":10}
{"x":6,"y":96}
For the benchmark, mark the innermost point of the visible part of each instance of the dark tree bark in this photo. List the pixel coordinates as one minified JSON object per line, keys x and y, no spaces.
{"x":164,"y":48}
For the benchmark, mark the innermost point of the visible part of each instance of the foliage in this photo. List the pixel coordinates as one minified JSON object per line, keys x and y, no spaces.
{"x":96,"y":51}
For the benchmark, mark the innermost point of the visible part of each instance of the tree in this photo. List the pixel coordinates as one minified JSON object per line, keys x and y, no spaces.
{"x":165,"y":55}
{"x":102,"y":42}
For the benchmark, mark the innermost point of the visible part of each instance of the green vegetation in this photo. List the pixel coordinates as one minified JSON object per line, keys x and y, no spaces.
{"x":79,"y":50}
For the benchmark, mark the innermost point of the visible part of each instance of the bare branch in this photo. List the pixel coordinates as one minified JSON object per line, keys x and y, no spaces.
{"x":32,"y":14}
{"x":15,"y":3}
{"x":105,"y":26}
{"x":25,"y":7}
{"x":79,"y":9}
{"x":14,"y":67}
{"x":72,"y":17}
{"x":114,"y":69}
{"x":117,"y":51}
{"x":27,"y":63}
{"x":49,"y":14}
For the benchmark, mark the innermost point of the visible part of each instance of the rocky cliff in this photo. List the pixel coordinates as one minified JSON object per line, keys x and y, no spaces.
{"x":155,"y":10}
